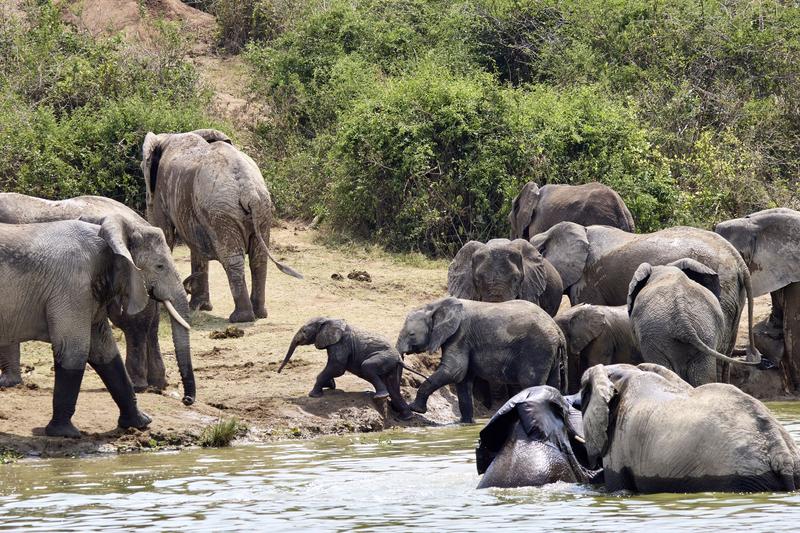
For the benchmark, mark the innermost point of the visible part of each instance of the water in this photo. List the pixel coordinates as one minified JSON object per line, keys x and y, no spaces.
{"x":418,"y":480}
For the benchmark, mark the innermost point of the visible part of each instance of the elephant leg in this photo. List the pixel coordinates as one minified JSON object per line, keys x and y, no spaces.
{"x":326,"y":378}
{"x":258,"y":273}
{"x":234,"y":268}
{"x":135,"y":330}
{"x":464,"y":392}
{"x":376,"y":366}
{"x":393,"y":384}
{"x":156,"y":373}
{"x":775,"y":319}
{"x":200,"y":298}
{"x":791,"y":333}
{"x":444,"y":375}
{"x":70,"y":353}
{"x":107,"y":362}
{"x":9,"y":366}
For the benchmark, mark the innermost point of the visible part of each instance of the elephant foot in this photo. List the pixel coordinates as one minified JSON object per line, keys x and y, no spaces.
{"x":405,"y":414}
{"x":260,"y":312}
{"x":467,"y":420}
{"x":418,"y":407}
{"x":242,"y":316}
{"x":8,"y":381}
{"x":138,"y":420}
{"x":315,"y":393}
{"x":202,"y":305}
{"x":138,"y":389}
{"x":381,"y":394}
{"x":62,"y":428}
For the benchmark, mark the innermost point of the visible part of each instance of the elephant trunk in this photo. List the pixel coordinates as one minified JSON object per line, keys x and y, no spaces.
{"x":296,"y":341}
{"x":178,"y":308}
{"x":753,"y":354}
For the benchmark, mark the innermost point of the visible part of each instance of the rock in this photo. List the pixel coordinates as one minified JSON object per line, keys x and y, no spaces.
{"x":336,"y":276}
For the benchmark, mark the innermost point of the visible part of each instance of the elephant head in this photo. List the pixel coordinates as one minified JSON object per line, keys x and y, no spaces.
{"x":497,"y":271}
{"x":694,"y":270}
{"x":522,"y":210}
{"x":430,"y":326}
{"x":768,"y":243}
{"x":321,"y":332}
{"x":143,"y":268}
{"x":566,"y":246}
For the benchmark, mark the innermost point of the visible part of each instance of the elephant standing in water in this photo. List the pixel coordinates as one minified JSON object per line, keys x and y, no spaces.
{"x":150,"y":253}
{"x":653,"y":432}
{"x":534,"y":439}
{"x":502,"y":270}
{"x":536,"y":209}
{"x":677,"y":318}
{"x":212,"y":196}
{"x":61,"y":277}
{"x":596,"y":264}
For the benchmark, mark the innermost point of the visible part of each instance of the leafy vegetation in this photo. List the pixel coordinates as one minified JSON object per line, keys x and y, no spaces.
{"x":221,"y":433}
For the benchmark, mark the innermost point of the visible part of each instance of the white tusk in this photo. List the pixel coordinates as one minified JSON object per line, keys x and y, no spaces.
{"x":580,"y":439}
{"x":174,"y":314}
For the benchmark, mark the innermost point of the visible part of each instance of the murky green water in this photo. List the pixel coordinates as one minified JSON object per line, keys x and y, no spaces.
{"x":413,"y":480}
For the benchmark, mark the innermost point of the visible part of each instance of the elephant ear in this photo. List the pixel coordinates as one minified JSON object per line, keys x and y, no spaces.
{"x":459,"y":274}
{"x":597,"y":391}
{"x":212,"y":136}
{"x":585,"y":325}
{"x":151,"y":156}
{"x":445,"y":320}
{"x":566,"y":246}
{"x":534,"y":280}
{"x":699,"y":273}
{"x":126,"y":276}
{"x":522,"y":210}
{"x":638,"y":282}
{"x":329,"y":333}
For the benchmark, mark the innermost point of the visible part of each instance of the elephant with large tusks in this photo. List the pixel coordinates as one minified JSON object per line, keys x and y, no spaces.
{"x":536,"y":209}
{"x":597,"y":263}
{"x":502,"y":270}
{"x":212,"y":196}
{"x":507,"y":343}
{"x":152,"y":256}
{"x":534,"y":439}
{"x":653,"y":432}
{"x":60,"y":278}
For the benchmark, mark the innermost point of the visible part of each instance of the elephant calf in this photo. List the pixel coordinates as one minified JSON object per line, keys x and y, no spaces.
{"x":511,"y":343}
{"x":349,"y":349}
{"x":534,"y":439}
{"x":677,"y":318}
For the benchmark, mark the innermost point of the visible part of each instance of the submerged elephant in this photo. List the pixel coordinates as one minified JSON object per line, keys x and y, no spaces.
{"x":653,"y":432}
{"x":60,"y":278}
{"x":212,"y":196}
{"x":151,"y":255}
{"x":536,"y":209}
{"x":596,"y":264}
{"x":677,"y":319}
{"x":502,"y":270}
{"x":597,"y":335}
{"x":534,"y":439}
{"x":364,"y":354}
{"x":511,"y":343}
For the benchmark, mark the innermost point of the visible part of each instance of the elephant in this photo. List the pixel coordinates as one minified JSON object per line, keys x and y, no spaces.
{"x":534,"y":439}
{"x":502,"y":270}
{"x":535,"y":209}
{"x":202,"y":189}
{"x":677,"y":319}
{"x":364,"y":354}
{"x":511,"y":343}
{"x":597,"y":334}
{"x":653,"y":432}
{"x":61,"y":277}
{"x":596,"y":264}
{"x":150,"y":252}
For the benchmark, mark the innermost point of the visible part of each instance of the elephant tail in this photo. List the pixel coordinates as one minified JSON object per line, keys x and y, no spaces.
{"x":254,"y":208}
{"x":420,"y":374}
{"x":753,"y":354}
{"x":698,"y":343}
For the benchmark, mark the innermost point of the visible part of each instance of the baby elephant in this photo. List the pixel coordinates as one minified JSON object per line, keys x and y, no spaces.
{"x":366,"y":355}
{"x":677,"y":319}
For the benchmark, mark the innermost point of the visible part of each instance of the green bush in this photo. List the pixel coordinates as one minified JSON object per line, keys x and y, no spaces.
{"x":221,"y":433}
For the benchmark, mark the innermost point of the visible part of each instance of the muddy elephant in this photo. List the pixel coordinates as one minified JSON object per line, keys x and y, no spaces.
{"x":677,"y":319}
{"x":61,"y":277}
{"x":364,"y":354}
{"x":596,"y":264}
{"x":502,"y":270}
{"x":597,"y":335}
{"x":534,"y":439}
{"x":512,"y":343}
{"x":536,"y":209}
{"x":203,"y":190}
{"x":150,"y":253}
{"x":653,"y":432}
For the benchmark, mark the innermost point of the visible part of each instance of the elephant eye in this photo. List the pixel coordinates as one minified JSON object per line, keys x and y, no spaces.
{"x":160,"y":266}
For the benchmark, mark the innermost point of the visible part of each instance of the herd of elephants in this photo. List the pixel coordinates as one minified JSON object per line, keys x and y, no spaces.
{"x":626,"y":388}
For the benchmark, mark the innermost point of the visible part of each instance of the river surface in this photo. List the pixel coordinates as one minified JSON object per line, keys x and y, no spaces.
{"x":412,"y":480}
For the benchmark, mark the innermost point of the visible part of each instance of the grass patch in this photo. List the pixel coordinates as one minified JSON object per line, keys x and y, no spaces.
{"x":222,"y":433}
{"x":354,"y":247}
{"x":9,"y":456}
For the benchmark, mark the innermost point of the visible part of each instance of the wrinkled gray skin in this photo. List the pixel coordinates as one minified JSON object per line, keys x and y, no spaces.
{"x":532,"y":440}
{"x":597,"y":335}
{"x":537,"y":209}
{"x":677,"y":319}
{"x":502,"y":270}
{"x":653,"y":432}
{"x":511,"y":343}
{"x":364,"y":354}
{"x":596,"y":264}
{"x":61,"y":277}
{"x":212,"y":196}
{"x":151,"y":255}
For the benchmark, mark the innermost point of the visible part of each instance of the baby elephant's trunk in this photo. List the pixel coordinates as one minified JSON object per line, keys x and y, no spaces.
{"x":296,"y":341}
